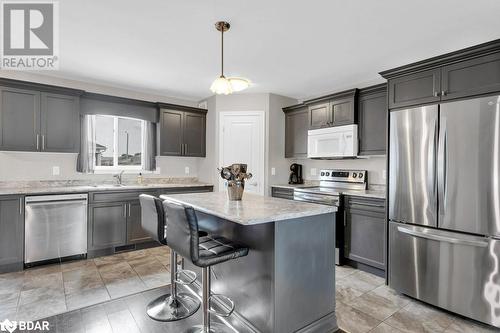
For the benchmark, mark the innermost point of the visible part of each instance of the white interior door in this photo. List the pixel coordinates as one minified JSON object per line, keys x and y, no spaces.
{"x":241,"y":140}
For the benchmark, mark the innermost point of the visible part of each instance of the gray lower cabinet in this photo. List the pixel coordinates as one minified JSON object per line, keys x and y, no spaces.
{"x":11,"y":233}
{"x":296,"y":132}
{"x":281,"y":192}
{"x":19,"y":119}
{"x":31,"y":120}
{"x":60,"y":123}
{"x":107,"y":225}
{"x":182,"y":133}
{"x":365,"y":231}
{"x":135,"y":233}
{"x":372,"y":113}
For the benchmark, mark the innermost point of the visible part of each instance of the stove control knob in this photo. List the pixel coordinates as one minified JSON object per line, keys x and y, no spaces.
{"x":360,"y":175}
{"x":322,"y":173}
{"x":354,"y":175}
{"x":328,"y":174}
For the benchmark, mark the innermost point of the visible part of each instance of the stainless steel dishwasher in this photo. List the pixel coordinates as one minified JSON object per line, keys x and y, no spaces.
{"x":55,"y":227}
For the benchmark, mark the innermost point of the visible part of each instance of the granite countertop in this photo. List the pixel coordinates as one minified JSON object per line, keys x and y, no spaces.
{"x":93,"y":188}
{"x":253,"y":209}
{"x":379,"y":194}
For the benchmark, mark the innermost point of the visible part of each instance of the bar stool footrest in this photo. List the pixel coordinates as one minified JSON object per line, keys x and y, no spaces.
{"x":191,"y":277}
{"x":221,"y":299}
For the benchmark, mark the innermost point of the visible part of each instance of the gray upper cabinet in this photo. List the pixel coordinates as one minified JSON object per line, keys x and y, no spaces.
{"x":418,"y":88}
{"x":343,"y":112}
{"x":194,"y":134}
{"x":11,"y":233}
{"x":464,"y":73}
{"x":372,"y":113}
{"x":171,"y":133}
{"x":182,"y":133}
{"x":37,"y":120}
{"x":296,"y":121}
{"x":473,"y":77}
{"x":60,"y":120}
{"x":364,"y":233}
{"x":19,"y":119}
{"x":319,"y":115}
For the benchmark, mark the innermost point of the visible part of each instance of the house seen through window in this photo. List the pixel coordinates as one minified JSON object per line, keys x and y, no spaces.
{"x":118,"y":143}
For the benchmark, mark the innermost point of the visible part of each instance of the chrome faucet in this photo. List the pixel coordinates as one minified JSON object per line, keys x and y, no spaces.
{"x":119,"y":177}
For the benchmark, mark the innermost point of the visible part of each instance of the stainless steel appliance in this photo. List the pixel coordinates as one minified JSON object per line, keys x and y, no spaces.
{"x":444,"y":206}
{"x":331,"y":184}
{"x":295,"y":174}
{"x":55,"y":227}
{"x":333,"y":142}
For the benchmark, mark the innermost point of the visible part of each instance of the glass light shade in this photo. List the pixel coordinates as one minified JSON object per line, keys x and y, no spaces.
{"x":221,"y":85}
{"x":239,"y":83}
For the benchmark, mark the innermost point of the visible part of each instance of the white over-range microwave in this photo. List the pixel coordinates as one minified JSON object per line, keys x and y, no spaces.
{"x":333,"y":142}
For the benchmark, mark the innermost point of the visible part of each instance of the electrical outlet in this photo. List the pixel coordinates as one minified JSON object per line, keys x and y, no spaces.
{"x":56,"y":171}
{"x":313,"y":171}
{"x":186,"y":170}
{"x":273,"y":171}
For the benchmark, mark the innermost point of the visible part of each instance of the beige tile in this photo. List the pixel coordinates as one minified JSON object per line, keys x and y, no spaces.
{"x":374,"y":305}
{"x":384,"y":328}
{"x":79,"y":264}
{"x":78,"y":280}
{"x":114,"y":272}
{"x":135,"y":254}
{"x":39,"y":310}
{"x":87,"y":297}
{"x":461,"y":325}
{"x":141,"y":261}
{"x":53,"y":280}
{"x":108,"y":260}
{"x":361,"y":281}
{"x":390,"y":294}
{"x":354,"y":321}
{"x":343,"y":271}
{"x":346,"y":294}
{"x":39,"y":295}
{"x":123,"y":287}
{"x":43,"y":270}
{"x":8,"y":300}
{"x":418,"y":317}
{"x":156,"y":280}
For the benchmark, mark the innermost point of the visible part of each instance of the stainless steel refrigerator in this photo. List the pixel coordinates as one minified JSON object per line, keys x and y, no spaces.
{"x":444,"y":206}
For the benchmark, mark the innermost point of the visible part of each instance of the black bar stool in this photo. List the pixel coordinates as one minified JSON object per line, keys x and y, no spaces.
{"x":204,"y":251}
{"x":173,"y":306}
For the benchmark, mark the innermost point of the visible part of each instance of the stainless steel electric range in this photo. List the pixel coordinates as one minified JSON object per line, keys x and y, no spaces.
{"x":329,"y":192}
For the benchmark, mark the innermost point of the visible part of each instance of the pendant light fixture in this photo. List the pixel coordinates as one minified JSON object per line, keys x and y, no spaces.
{"x":223,"y":85}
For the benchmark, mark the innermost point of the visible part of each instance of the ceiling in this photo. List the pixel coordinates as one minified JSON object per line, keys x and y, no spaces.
{"x":295,"y":48}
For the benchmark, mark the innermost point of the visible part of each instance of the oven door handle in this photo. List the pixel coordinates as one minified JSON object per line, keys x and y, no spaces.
{"x":439,"y":236}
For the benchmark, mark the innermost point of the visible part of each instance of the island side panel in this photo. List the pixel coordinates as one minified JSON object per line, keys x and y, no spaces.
{"x":305,"y":274}
{"x":249,"y":280}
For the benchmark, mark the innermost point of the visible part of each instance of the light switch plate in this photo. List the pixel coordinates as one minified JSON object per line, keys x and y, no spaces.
{"x":56,"y":171}
{"x":273,"y":171}
{"x":186,"y":170}
{"x":313,"y":171}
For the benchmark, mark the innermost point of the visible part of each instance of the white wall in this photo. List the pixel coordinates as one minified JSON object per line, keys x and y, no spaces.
{"x":38,"y":166}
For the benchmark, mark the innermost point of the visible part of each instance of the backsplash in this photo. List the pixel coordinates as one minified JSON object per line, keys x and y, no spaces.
{"x":375,"y":165}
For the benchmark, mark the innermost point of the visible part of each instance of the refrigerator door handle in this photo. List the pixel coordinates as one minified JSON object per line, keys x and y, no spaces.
{"x":431,"y":160}
{"x":443,"y":236}
{"x":442,"y":166}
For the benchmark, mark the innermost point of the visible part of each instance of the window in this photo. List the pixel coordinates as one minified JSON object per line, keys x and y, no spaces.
{"x":118,"y":143}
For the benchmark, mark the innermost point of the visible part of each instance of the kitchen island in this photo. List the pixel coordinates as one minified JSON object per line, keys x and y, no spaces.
{"x":287,"y":281}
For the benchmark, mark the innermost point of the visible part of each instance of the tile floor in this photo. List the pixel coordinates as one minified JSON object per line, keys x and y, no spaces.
{"x":49,"y":290}
{"x":364,"y":302}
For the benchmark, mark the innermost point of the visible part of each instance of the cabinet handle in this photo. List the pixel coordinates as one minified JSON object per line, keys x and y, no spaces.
{"x":129,"y":209}
{"x":443,"y":93}
{"x":182,"y":148}
{"x":20,"y":206}
{"x":43,"y":142}
{"x":125,"y":210}
{"x":436,"y":94}
{"x":38,"y":142}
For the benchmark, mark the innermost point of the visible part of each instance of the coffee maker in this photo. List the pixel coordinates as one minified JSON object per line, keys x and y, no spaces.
{"x":295,"y":174}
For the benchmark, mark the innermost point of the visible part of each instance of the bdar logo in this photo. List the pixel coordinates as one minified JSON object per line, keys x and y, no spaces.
{"x":30,"y":35}
{"x":8,"y":326}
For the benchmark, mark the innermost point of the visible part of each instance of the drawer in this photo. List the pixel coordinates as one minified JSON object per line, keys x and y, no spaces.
{"x":111,"y":196}
{"x":373,"y":205}
{"x":180,"y":190}
{"x":284,"y":193}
